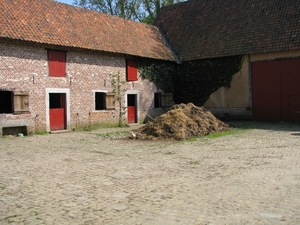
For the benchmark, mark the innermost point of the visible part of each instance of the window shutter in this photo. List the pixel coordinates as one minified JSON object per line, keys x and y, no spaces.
{"x":167,"y":100}
{"x":21,"y":102}
{"x":57,"y":63}
{"x":110,"y":101}
{"x":131,"y":70}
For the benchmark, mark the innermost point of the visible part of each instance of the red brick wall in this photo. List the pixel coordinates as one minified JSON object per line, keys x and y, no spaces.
{"x":25,"y":68}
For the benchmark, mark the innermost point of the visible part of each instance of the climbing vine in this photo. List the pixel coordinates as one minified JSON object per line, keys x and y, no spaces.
{"x":192,"y":81}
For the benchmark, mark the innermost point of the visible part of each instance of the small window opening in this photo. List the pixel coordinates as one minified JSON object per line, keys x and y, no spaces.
{"x":162,"y":100}
{"x":6,"y":105}
{"x":55,"y":100}
{"x":131,"y":100}
{"x":157,"y":100}
{"x":100,"y":101}
{"x":14,"y":102}
{"x":14,"y":130}
{"x":104,"y":101}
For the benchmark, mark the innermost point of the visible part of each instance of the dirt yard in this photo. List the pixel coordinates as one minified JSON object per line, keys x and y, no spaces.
{"x":251,"y":176}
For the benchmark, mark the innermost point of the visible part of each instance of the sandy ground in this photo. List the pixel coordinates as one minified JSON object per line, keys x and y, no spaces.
{"x":249,"y":177}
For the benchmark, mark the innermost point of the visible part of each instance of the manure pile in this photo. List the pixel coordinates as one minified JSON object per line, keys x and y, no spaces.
{"x":181,"y":122}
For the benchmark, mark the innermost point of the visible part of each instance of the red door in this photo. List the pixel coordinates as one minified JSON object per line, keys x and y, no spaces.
{"x":131,"y":114}
{"x":276,"y":90}
{"x":290,"y":89}
{"x":132,"y":108}
{"x":57,"y":111}
{"x":265,"y":91}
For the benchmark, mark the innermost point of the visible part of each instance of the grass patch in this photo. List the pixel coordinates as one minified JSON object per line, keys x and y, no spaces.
{"x":9,"y":217}
{"x":214,"y":135}
{"x":110,"y":134}
{"x":225,"y":133}
{"x":98,"y":126}
{"x":192,"y":139}
{"x":41,"y":133}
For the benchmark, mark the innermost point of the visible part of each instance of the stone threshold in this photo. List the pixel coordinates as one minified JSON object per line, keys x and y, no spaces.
{"x":58,"y":131}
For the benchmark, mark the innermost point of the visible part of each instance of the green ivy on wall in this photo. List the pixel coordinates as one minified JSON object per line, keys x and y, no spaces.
{"x":192,"y":81}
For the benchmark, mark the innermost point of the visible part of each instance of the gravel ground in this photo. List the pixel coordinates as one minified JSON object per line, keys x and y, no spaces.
{"x":248,"y":177}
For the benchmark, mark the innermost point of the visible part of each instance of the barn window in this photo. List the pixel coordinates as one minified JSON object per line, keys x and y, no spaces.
{"x":162,"y":100}
{"x":14,"y":102}
{"x":57,"y":63}
{"x":104,"y":101}
{"x":157,"y":100}
{"x":131,"y":70}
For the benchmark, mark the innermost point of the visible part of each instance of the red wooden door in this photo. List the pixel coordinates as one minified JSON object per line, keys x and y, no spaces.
{"x":265,"y":91}
{"x":57,"y":119}
{"x":131,"y":114}
{"x":276,"y":90}
{"x":290,"y":89}
{"x":57,"y":111}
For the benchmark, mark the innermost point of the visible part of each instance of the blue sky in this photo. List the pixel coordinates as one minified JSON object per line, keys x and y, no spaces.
{"x":66,"y":1}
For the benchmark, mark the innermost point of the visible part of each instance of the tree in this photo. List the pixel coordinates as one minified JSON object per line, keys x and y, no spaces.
{"x":119,"y":90}
{"x":139,"y":10}
{"x":152,"y":7}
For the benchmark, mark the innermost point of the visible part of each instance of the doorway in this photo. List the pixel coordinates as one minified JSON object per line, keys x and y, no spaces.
{"x":57,"y":111}
{"x":276,"y":90}
{"x":132,"y":108}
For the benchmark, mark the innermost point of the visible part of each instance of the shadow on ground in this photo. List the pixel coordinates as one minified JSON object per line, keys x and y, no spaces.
{"x":275,"y":126}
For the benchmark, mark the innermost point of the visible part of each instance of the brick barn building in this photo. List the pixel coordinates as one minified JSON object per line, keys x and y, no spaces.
{"x":56,"y":61}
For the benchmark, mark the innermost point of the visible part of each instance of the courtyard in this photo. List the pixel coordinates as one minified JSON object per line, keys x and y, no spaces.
{"x":249,"y":176}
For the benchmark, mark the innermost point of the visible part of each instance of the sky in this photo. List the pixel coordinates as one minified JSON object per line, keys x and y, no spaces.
{"x":66,"y":1}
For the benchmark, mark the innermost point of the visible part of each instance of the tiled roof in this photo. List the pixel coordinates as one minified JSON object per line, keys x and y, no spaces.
{"x":54,"y":23}
{"x":215,"y":28}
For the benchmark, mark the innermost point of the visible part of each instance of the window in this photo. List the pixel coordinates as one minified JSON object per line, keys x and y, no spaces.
{"x":6,"y":105}
{"x":162,"y":100}
{"x":131,"y":70}
{"x":57,"y":63}
{"x":157,"y":100}
{"x":14,"y":102}
{"x":104,"y":101}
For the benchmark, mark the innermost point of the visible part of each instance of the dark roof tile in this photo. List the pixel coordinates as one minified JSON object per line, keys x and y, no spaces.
{"x":215,"y":28}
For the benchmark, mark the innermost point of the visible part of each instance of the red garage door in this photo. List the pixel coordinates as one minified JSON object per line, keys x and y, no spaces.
{"x":276,"y":90}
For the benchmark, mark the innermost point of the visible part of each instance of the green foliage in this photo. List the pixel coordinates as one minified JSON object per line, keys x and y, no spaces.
{"x":41,"y":133}
{"x":139,"y":10}
{"x":192,"y":81}
{"x":115,"y":134}
{"x":119,"y":91}
{"x":161,"y":73}
{"x":224,"y":133}
{"x":195,"y":162}
{"x":197,"y":80}
{"x":152,"y":8}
